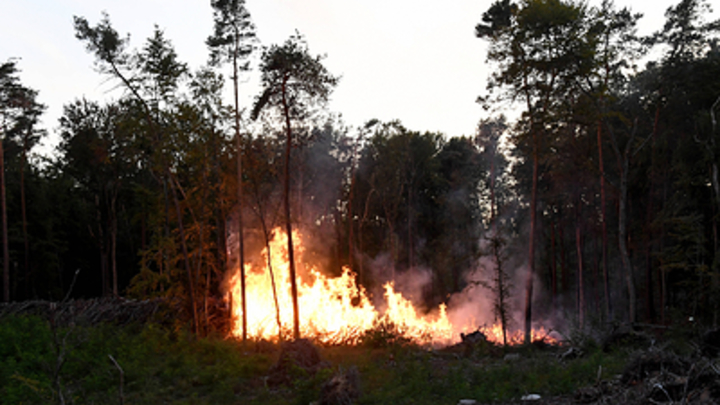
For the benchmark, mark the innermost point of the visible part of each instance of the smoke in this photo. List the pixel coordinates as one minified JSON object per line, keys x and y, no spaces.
{"x":319,"y":176}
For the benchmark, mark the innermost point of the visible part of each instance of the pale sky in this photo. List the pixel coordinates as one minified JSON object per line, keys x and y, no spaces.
{"x":413,"y":60}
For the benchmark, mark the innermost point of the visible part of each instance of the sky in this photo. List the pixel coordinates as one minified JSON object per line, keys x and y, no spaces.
{"x":417,"y":61}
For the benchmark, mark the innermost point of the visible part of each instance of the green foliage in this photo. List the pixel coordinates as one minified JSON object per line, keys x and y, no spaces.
{"x":25,"y":355}
{"x":307,"y":388}
{"x":167,"y":366}
{"x":292,"y":79}
{"x":233,"y":33}
{"x":159,"y":365}
{"x":383,"y":335}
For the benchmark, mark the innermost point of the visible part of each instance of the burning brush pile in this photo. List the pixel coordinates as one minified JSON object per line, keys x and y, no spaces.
{"x":335,"y":310}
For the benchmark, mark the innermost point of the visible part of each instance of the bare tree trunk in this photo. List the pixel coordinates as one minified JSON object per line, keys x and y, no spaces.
{"x":241,"y":238}
{"x":23,"y":209}
{"x":581,"y":281}
{"x":201,"y":244}
{"x":603,"y":220}
{"x":113,"y":241}
{"x":563,"y":259}
{"x":288,"y":223}
{"x":622,"y":239}
{"x":553,"y":264}
{"x":102,"y":245}
{"x":266,"y":232}
{"x":502,"y":309}
{"x":186,"y":258}
{"x":361,"y":267}
{"x":624,"y":161}
{"x":351,"y":242}
{"x":6,"y":250}
{"x":531,"y":247}
{"x":410,"y":235}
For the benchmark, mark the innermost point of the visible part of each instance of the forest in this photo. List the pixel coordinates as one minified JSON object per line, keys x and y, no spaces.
{"x":599,"y":203}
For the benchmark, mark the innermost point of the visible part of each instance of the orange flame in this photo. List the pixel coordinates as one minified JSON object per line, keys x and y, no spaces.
{"x":332,"y":309}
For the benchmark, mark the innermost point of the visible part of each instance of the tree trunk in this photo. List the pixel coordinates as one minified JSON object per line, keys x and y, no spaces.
{"x":624,"y":168}
{"x":622,"y":241}
{"x":496,"y":248}
{"x":603,"y":220}
{"x":26,"y":269}
{"x":581,"y":281}
{"x":201,"y":245}
{"x":351,"y":215}
{"x":102,"y":245}
{"x":6,"y":250}
{"x":553,"y":264}
{"x":113,"y":241}
{"x":186,"y":257}
{"x":241,"y":239}
{"x":361,"y":267}
{"x":622,"y":233}
{"x":266,"y":233}
{"x":531,"y":248}
{"x":288,"y":224}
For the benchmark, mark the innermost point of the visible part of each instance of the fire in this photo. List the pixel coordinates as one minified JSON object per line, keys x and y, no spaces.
{"x":494,"y":334}
{"x":332,"y":309}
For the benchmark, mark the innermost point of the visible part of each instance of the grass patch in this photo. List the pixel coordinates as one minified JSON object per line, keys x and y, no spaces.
{"x":174,"y":367}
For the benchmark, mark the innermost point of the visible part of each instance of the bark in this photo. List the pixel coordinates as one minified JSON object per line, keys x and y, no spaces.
{"x":361,"y":267}
{"x":581,"y":281}
{"x":186,"y":258}
{"x":496,"y":248}
{"x":715,"y":177}
{"x":622,"y":239}
{"x":563,"y":259}
{"x":603,"y":220}
{"x":113,"y":247}
{"x":201,"y":243}
{"x":219,"y":213}
{"x":103,"y":248}
{"x":23,"y":210}
{"x":288,"y":223}
{"x":531,"y":248}
{"x":241,"y":239}
{"x":6,"y":250}
{"x":351,"y":215}
{"x":553,"y":263}
{"x":649,"y":233}
{"x":624,"y":162}
{"x":266,"y":232}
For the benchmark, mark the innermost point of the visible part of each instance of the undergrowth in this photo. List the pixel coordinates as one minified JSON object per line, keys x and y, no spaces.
{"x":174,"y":367}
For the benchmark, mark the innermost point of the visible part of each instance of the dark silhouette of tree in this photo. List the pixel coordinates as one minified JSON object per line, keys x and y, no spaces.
{"x":152,"y":78}
{"x":292,"y":80}
{"x":19,"y":112}
{"x":536,"y":46}
{"x":232,"y":42}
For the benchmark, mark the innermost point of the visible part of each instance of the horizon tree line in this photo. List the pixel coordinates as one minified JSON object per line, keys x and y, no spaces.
{"x":605,"y":188}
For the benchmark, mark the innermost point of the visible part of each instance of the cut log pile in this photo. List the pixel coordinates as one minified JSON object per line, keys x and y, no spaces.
{"x":118,"y":311}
